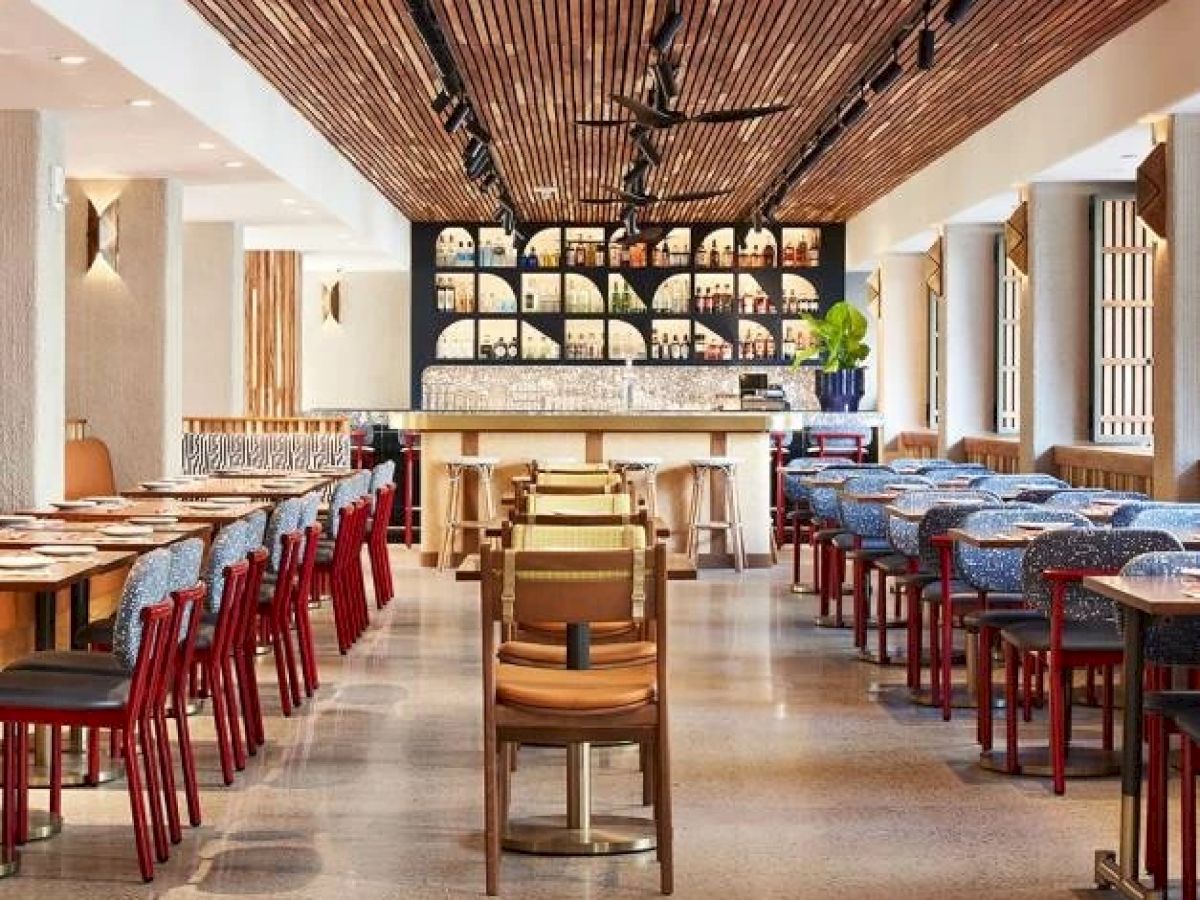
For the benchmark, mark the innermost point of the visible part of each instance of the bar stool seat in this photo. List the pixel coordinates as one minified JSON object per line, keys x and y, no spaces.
{"x":584,"y":691}
{"x":647,"y":467}
{"x":554,"y":656}
{"x":703,"y":470}
{"x":456,"y":468}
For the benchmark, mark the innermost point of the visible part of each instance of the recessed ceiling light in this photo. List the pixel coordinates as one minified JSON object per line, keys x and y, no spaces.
{"x":1129,"y":156}
{"x":234,"y":164}
{"x":72,"y":60}
{"x":306,"y":212}
{"x":206,"y":145}
{"x":289,"y":201}
{"x":141,"y":102}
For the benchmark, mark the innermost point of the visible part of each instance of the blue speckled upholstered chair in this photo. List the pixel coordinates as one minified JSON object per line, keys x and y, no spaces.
{"x":344,"y":493}
{"x":256,"y":530}
{"x":1181,"y":521}
{"x":826,"y":511}
{"x":941,"y":474}
{"x":866,"y":545}
{"x":996,"y":575}
{"x":1010,"y":486}
{"x":911,"y":465}
{"x":1082,"y":498}
{"x":285,"y":518}
{"x":227,"y":548}
{"x":1169,"y":642}
{"x":1080,"y":628}
{"x":1124,"y":515}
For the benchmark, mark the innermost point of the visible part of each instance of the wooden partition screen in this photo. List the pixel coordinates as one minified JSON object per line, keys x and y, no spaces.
{"x":264,"y":425}
{"x":272,"y":332}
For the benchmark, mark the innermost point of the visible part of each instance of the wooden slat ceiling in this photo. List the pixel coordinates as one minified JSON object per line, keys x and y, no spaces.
{"x":358,"y":70}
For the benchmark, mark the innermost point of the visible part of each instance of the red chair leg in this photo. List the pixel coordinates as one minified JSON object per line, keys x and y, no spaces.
{"x":231,"y":714}
{"x":1011,"y":664}
{"x":914,"y":627}
{"x":133,"y":781}
{"x":1107,"y":713}
{"x":285,"y":692}
{"x":153,"y":789}
{"x":8,"y":792}
{"x":23,"y":785}
{"x":187,"y":760}
{"x":56,"y":771}
{"x":881,"y":624}
{"x":983,"y":688}
{"x":860,"y":604}
{"x":935,"y":654}
{"x":308,"y":649}
{"x":1187,"y":820}
{"x":1059,"y":685}
{"x":166,"y":766}
{"x":221,"y":720}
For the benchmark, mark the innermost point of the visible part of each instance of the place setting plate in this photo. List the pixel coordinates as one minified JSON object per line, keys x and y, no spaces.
{"x":227,"y":501}
{"x":153,"y":520}
{"x":23,"y":562}
{"x":126,"y":530}
{"x":65,"y":550}
{"x":206,"y":506}
{"x":108,"y":501}
{"x":1109,"y":501}
{"x":8,"y":521}
{"x":74,"y":504}
{"x":160,"y":485}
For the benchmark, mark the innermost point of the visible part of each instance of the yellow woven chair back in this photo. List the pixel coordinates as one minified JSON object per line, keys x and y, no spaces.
{"x":565,"y":467}
{"x":599,"y":481}
{"x":580,"y":504}
{"x":578,"y":537}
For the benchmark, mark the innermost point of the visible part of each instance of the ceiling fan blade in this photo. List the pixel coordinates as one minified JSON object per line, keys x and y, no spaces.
{"x":646,"y":115}
{"x":629,"y":197}
{"x":739,"y":115}
{"x":598,"y":200}
{"x":603,"y":123}
{"x":651,"y":234}
{"x":692,"y":195}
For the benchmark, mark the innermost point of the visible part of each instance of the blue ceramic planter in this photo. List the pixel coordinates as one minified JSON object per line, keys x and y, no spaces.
{"x":840,"y":391}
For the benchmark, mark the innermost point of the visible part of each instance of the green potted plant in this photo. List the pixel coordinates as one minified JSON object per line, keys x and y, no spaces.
{"x":839,"y":339}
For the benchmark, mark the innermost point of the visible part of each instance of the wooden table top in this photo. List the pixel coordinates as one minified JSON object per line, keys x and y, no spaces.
{"x":916,"y":515}
{"x":1156,"y":596}
{"x":286,"y":474}
{"x":250,"y":488}
{"x":679,"y":568}
{"x":61,"y":573}
{"x":57,"y":531}
{"x":208,"y":514}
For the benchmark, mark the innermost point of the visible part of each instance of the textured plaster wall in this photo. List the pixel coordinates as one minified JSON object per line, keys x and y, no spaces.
{"x":213,"y":292}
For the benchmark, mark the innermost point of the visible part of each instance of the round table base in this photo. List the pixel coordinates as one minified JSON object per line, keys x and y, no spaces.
{"x":608,"y":835}
{"x":832,"y":621}
{"x":74,"y":774}
{"x":960,"y":698}
{"x":1034,"y":762}
{"x":10,"y":868}
{"x":42,"y":825}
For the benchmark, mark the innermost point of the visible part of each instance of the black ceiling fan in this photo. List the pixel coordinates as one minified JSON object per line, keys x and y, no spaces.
{"x":639,"y":198}
{"x":661,"y":116}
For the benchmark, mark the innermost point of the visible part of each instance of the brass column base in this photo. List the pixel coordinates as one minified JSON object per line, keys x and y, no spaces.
{"x":606,"y":835}
{"x":43,"y":826}
{"x":1034,"y":762}
{"x":1108,"y":876}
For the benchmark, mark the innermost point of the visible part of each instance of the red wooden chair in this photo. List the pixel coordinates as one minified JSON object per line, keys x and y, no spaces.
{"x":377,"y":545}
{"x":275,"y":616}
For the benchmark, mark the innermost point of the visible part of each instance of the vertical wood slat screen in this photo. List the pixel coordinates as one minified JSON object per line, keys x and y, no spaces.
{"x":271,"y":318}
{"x":1122,"y":313}
{"x":1008,"y":342}
{"x":933,"y":339}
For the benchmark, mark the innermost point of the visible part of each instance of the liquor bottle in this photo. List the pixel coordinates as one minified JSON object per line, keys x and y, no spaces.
{"x":727,"y":257}
{"x":760,"y":347}
{"x":685,"y":349}
{"x":485,"y":349}
{"x":769,"y":348}
{"x":789,"y":345}
{"x":761,"y":304}
{"x":714,"y":255}
{"x":768,"y":256}
{"x":789,"y":254}
{"x":802,"y":257}
{"x":756,"y":257}
{"x":701,"y":347}
{"x":655,"y":347}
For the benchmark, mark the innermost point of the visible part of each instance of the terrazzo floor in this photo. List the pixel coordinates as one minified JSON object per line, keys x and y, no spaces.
{"x":799,"y":772}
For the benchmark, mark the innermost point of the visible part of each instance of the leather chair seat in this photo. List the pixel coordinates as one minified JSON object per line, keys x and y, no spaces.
{"x":1098,"y":637}
{"x":891,"y":563}
{"x":98,"y":632}
{"x":558,"y":630}
{"x":1000,"y":618}
{"x":845,"y":541}
{"x":571,"y":691}
{"x":1189,"y":724}
{"x":78,"y":661}
{"x":204,"y":635}
{"x":1172,"y":703}
{"x":917,"y":579}
{"x":553,"y":656}
{"x":828,"y":534}
{"x":63,"y":690}
{"x":959,"y":592}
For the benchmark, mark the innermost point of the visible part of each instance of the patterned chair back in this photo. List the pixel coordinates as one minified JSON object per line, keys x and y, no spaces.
{"x":1082,"y":498}
{"x":915,"y":462}
{"x":794,"y":487}
{"x":902,"y":534}
{"x":382,"y":474}
{"x":228,"y":547}
{"x":284,"y":519}
{"x":1180,"y":521}
{"x":995,"y":570}
{"x":185,"y":572}
{"x":1011,"y":484}
{"x":824,"y":498}
{"x":344,"y":493}
{"x":310,"y":508}
{"x":937,"y":521}
{"x":1125,"y":514}
{"x":1169,"y":641}
{"x":362,"y":482}
{"x":943,"y":472}
{"x":869,"y":520}
{"x":145,"y":586}
{"x":1093,"y":548}
{"x":256,"y":530}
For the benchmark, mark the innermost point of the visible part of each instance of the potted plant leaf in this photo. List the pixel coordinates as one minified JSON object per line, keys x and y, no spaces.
{"x":839,"y":339}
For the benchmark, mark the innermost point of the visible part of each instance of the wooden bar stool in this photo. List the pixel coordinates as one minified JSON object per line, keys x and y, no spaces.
{"x":703,"y":470}
{"x":630,"y":467}
{"x":456,"y":469}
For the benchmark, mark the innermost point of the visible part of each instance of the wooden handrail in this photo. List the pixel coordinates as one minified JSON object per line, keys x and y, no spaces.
{"x":998,"y":452}
{"x":1115,"y":468}
{"x":264,"y":425}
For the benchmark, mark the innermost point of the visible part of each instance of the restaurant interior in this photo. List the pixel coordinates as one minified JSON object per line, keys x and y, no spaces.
{"x":599,"y":448}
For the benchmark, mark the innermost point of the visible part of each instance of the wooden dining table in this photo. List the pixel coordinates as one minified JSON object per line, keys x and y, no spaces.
{"x":285,"y":474}
{"x":267,"y":489}
{"x":203,"y":512}
{"x":1143,"y":599}
{"x":58,"y":532}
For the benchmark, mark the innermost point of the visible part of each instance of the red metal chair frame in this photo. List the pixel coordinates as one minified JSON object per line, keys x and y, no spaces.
{"x":377,"y":545}
{"x":275,"y":622}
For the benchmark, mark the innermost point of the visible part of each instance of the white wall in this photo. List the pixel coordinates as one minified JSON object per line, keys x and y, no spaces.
{"x":213,"y":291}
{"x":125,"y":328}
{"x":363,"y":362}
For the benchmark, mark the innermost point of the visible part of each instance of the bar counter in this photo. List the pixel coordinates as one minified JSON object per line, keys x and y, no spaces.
{"x":673,"y":436}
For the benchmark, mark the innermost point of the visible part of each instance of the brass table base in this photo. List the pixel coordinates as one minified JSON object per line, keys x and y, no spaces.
{"x":43,"y":826}
{"x":606,"y":835}
{"x":1034,"y":762}
{"x":961,"y":697}
{"x":74,"y":772}
{"x":12,"y":867}
{"x":832,"y":622}
{"x":1108,"y":876}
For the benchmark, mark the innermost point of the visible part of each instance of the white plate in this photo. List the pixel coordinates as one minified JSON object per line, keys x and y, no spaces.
{"x":204,"y":506}
{"x":906,"y":487}
{"x":153,"y":520}
{"x":126,"y":530}
{"x":1042,"y":526}
{"x":17,"y":520}
{"x":159,"y":485}
{"x":23,"y":562}
{"x":73,"y":504}
{"x":65,"y":550}
{"x":108,"y":501}
{"x":1110,"y":501}
{"x":1190,"y":572}
{"x":227,"y":501}
{"x":964,"y":501}
{"x":1193,"y":595}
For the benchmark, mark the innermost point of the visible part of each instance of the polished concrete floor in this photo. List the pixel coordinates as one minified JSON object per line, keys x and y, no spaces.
{"x":799,"y":772}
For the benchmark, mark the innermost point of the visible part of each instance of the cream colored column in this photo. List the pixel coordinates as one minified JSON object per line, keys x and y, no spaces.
{"x":1056,"y":323}
{"x":902,"y":359}
{"x":213,"y":309}
{"x":966,"y":346}
{"x":1177,"y":321}
{"x":31,"y":310}
{"x":125,"y":328}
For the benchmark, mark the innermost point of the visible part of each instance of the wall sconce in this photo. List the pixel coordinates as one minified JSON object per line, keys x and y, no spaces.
{"x":102,"y":234}
{"x":331,"y":303}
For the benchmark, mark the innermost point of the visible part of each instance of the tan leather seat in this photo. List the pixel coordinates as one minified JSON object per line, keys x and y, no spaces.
{"x":567,"y":690}
{"x":599,"y":630}
{"x":88,"y":470}
{"x":553,"y":656}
